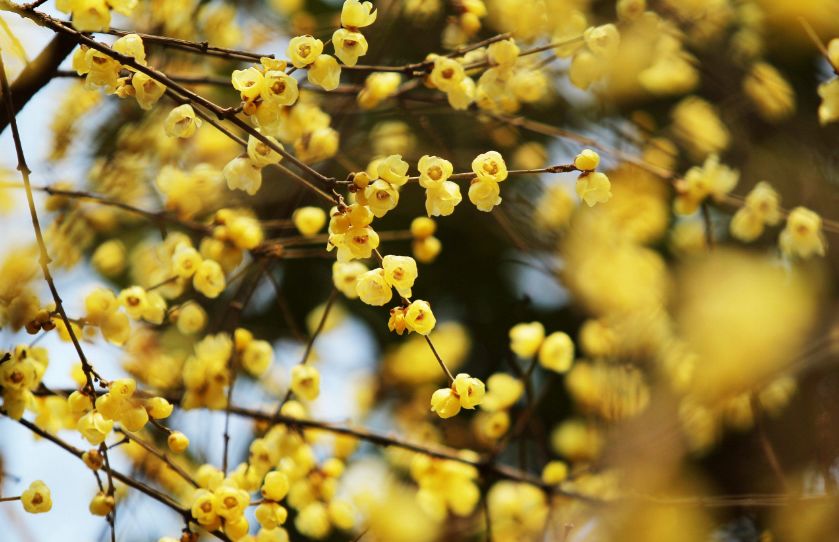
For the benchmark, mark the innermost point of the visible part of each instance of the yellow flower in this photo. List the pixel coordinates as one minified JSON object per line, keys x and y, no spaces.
{"x":490,"y":166}
{"x":249,"y":82}
{"x":433,"y":170}
{"x":356,"y":14}
{"x":36,"y":498}
{"x":422,"y":227}
{"x":698,"y":126}
{"x":304,"y":50}
{"x":134,"y":300}
{"x":603,"y":40}
{"x":802,"y":235}
{"x":101,"y":504}
{"x":279,"y":88}
{"x":503,"y":391}
{"x":99,"y":304}
{"x":746,"y":225}
{"x":202,"y":508}
{"x":829,"y":108}
{"x":230,"y":502}
{"x":147,"y":91}
{"x":191,"y":318}
{"x":349,"y":45}
{"x":261,"y":154}
{"x":470,"y":391}
{"x":419,"y":318}
{"x":275,"y":486}
{"x":396,"y":321}
{"x":245,"y":232}
{"x":381,"y":197}
{"x":308,"y":220}
{"x":445,"y":403}
{"x":503,"y":53}
{"x":257,"y":357}
{"x":400,"y":272}
{"x":305,"y":382}
{"x":270,"y":515}
{"x":555,"y":472}
{"x":765,"y":202}
{"x":485,"y":194}
{"x":325,"y":72}
{"x":94,"y":427}
{"x":131,"y":45}
{"x":446,"y":74}
{"x":525,"y":339}
{"x":109,"y":258}
{"x":313,"y":520}
{"x":345,"y":277}
{"x":91,"y":15}
{"x":770,"y":92}
{"x":177,"y":442}
{"x":378,"y":87}
{"x":357,"y":242}
{"x":711,"y":179}
{"x":209,"y":279}
{"x":585,"y":69}
{"x":442,"y":198}
{"x":373,"y":288}
{"x":185,"y":261}
{"x":426,"y":249}
{"x":587,"y":160}
{"x":242,"y":174}
{"x":394,"y":170}
{"x":557,"y":352}
{"x":159,"y":408}
{"x":594,"y":188}
{"x":181,"y":122}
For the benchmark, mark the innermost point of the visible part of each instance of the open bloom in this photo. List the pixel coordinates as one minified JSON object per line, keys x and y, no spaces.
{"x":349,"y":46}
{"x":400,"y":272}
{"x":594,"y":188}
{"x":433,"y":170}
{"x":304,"y":50}
{"x":325,"y":72}
{"x":356,"y":14}
{"x":803,"y":235}
{"x":485,"y":194}
{"x":490,"y":166}
{"x":419,"y":318}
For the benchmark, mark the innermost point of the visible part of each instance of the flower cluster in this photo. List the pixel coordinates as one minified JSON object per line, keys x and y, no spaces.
{"x":21,"y":372}
{"x":94,"y":15}
{"x":465,"y":392}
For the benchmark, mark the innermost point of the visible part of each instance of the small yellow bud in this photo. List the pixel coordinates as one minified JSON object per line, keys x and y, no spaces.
{"x":275,"y":486}
{"x":587,"y":160}
{"x":525,"y":339}
{"x":177,"y":442}
{"x":305,"y":382}
{"x":309,"y":220}
{"x":102,"y":504}
{"x":209,"y":279}
{"x":445,"y":403}
{"x":109,"y":258}
{"x":557,"y":352}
